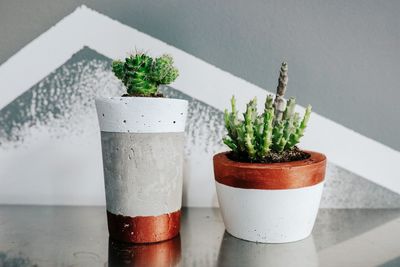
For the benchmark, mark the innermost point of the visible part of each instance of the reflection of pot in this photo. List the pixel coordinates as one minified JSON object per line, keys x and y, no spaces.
{"x":167,"y":253}
{"x":236,"y":252}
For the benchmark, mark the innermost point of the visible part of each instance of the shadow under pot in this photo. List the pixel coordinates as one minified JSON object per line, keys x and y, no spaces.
{"x":269,"y":203}
{"x":142,"y":141}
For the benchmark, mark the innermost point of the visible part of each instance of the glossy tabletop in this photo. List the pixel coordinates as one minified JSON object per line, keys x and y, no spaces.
{"x":77,"y":236}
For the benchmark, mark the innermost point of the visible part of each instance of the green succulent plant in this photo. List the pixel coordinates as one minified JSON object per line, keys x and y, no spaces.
{"x":277,"y":130}
{"x":141,"y":74}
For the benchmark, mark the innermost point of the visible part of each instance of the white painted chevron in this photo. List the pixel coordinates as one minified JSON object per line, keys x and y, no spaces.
{"x":85,"y":27}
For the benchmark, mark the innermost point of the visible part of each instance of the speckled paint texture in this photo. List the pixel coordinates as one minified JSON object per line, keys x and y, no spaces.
{"x":61,"y":103}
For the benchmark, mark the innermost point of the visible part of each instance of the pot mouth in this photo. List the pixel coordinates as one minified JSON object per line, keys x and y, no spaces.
{"x":125,"y":99}
{"x":314,"y":158}
{"x":270,"y":176}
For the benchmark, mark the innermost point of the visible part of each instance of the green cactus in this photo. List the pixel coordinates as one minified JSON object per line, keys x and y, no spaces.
{"x":266,"y":139}
{"x":250,"y":125}
{"x":141,"y":74}
{"x":255,"y":138}
{"x":163,"y":70}
{"x":295,"y":136}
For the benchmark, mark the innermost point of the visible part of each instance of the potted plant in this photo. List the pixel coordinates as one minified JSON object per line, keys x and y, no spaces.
{"x":142,"y":136}
{"x":268,"y":189}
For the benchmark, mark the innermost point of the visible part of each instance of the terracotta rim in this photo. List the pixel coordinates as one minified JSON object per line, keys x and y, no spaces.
{"x":286,"y":175}
{"x":144,"y":229}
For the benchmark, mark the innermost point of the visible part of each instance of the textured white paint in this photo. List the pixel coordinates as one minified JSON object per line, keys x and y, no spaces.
{"x":76,"y":183}
{"x":269,"y":216}
{"x":346,"y":148}
{"x":199,"y":187}
{"x":141,"y":114}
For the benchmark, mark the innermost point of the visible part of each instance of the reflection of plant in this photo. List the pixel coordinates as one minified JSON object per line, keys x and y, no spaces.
{"x":277,"y":130}
{"x":7,"y":260}
{"x":141,"y":74}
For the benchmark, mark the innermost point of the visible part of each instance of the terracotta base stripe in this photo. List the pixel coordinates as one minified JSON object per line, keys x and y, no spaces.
{"x":144,"y":229}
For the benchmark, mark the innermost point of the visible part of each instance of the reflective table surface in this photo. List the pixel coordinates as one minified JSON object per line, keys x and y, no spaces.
{"x":77,"y":236}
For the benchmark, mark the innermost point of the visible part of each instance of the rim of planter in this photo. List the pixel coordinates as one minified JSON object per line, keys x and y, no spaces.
{"x":270,"y":176}
{"x":144,"y":98}
{"x":141,"y":114}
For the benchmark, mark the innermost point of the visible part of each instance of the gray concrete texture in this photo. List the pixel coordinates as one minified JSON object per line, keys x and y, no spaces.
{"x":343,"y":55}
{"x":143,"y":172}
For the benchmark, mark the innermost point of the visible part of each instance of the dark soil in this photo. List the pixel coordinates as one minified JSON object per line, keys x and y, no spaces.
{"x":294,"y":154}
{"x":141,"y":95}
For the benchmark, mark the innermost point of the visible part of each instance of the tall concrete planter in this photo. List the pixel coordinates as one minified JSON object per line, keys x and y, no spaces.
{"x":142,"y":145}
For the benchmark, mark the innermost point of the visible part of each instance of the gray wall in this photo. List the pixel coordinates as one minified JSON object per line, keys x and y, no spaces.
{"x":343,"y":56}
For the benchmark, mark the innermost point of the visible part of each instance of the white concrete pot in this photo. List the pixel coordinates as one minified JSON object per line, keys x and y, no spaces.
{"x":142,"y":144}
{"x":269,"y":203}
